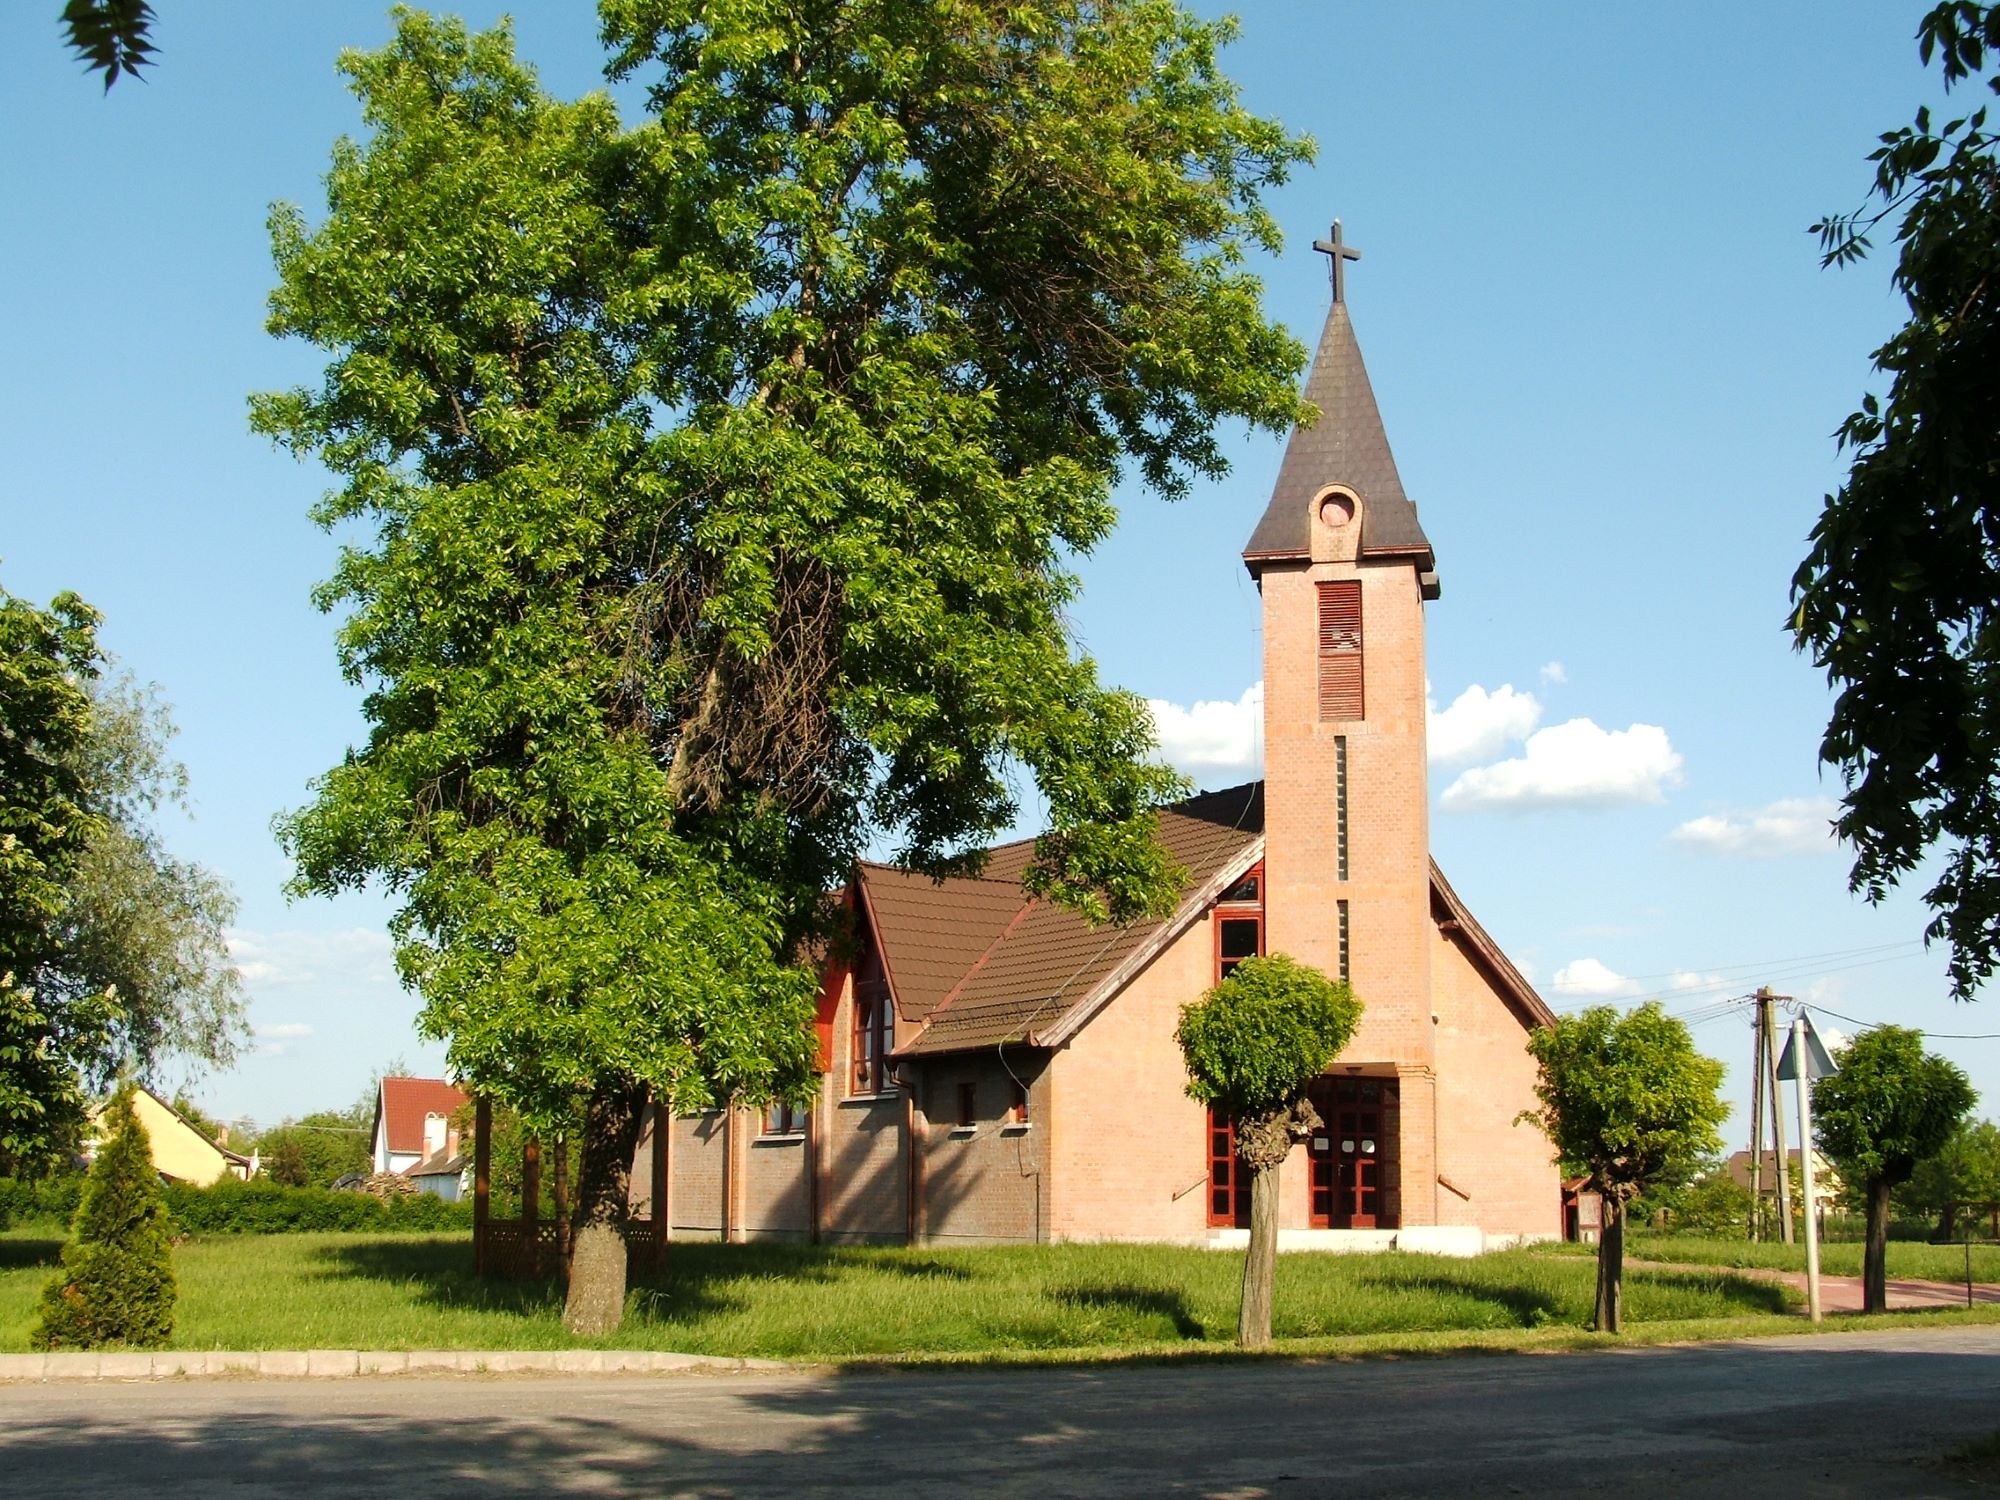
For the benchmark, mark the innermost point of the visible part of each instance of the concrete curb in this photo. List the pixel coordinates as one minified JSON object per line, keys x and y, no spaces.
{"x":327,"y":1364}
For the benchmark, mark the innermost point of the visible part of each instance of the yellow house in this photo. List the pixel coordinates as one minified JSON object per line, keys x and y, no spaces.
{"x":181,"y":1151}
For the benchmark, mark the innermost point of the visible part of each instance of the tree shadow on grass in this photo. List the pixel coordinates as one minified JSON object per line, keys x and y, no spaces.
{"x":1526,"y":1306}
{"x":1744,"y":1294}
{"x":698,"y":1279}
{"x":1144,"y":1300}
{"x":16,"y":1255}
{"x":441,"y":1273}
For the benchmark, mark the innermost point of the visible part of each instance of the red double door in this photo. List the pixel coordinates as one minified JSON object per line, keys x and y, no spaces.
{"x":1352,"y":1158}
{"x":1352,"y":1152}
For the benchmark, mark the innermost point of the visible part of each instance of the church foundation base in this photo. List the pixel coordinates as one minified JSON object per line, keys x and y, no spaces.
{"x":1419,"y":1239}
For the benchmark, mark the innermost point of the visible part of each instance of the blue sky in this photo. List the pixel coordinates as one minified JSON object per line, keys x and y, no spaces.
{"x":1605,"y":353}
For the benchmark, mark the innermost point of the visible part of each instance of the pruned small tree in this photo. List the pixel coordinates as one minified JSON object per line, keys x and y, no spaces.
{"x":1890,"y":1105}
{"x":116,"y":1285}
{"x":1253,"y":1043}
{"x":1627,"y":1102}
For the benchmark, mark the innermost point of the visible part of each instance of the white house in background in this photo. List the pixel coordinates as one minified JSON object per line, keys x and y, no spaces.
{"x":413,"y":1121}
{"x":444,"y":1173}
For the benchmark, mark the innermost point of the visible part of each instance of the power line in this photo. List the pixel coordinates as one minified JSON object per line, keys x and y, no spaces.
{"x":1772,"y":963}
{"x":1943,"y":1036}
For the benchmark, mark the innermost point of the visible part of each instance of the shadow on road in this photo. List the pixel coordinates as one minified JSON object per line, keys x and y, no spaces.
{"x":1700,"y":1421}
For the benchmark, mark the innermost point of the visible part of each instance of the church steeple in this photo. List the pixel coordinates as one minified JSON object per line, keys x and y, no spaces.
{"x":1347,"y":447}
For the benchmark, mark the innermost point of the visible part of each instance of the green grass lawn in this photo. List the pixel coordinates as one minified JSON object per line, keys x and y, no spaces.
{"x":417,"y":1292}
{"x":1908,"y":1260}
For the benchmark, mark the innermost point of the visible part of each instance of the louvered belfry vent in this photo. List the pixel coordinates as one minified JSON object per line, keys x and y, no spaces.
{"x":1340,"y":650}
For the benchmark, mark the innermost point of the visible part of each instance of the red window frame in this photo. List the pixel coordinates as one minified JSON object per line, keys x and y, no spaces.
{"x":1017,"y":1110}
{"x":1228,"y":1191}
{"x":1228,"y":1188}
{"x":874,"y":1037}
{"x":1229,"y":913}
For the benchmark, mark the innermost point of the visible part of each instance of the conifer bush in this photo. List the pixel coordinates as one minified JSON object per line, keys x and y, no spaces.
{"x":116,"y":1285}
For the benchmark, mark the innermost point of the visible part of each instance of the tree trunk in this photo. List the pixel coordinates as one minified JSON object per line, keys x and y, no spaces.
{"x":1874,"y":1264}
{"x":1610,"y":1316}
{"x":1948,"y":1221}
{"x":596,"y":1303}
{"x":1260,"y":1267}
{"x":1262,"y":1144}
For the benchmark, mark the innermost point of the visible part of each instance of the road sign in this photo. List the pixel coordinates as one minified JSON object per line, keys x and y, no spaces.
{"x":1819,"y":1064}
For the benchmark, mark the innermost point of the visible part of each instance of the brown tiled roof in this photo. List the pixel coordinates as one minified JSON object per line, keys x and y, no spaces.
{"x":1040,"y":968}
{"x":933,"y":931}
{"x":1347,"y":445}
{"x":440,"y":1163}
{"x":408,"y":1100}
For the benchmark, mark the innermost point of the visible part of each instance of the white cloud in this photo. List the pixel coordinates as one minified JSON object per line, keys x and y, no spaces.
{"x":1792,"y":825}
{"x":1576,"y":764}
{"x":1687,"y":979}
{"x":1212,"y":735}
{"x":268,"y":959}
{"x":1554,"y":674}
{"x":1586,"y":976}
{"x":1479,"y":724}
{"x":276,"y":1039}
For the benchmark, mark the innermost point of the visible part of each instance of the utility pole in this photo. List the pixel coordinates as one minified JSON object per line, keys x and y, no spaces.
{"x":1757,"y":1070}
{"x":1767,"y":1027}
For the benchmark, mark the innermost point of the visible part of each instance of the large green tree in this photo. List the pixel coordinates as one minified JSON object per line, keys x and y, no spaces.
{"x":139,"y":923}
{"x":1252,"y":1044}
{"x":1889,"y":1105}
{"x":48,"y":661}
{"x":111,"y":951}
{"x":1899,"y":597}
{"x":1627,"y":1102}
{"x":711,"y":488}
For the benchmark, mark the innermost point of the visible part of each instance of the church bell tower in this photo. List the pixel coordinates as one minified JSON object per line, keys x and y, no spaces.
{"x":1344,"y":570}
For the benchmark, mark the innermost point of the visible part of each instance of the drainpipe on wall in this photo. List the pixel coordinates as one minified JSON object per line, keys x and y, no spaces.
{"x":729,"y":1172}
{"x":913,"y":1158}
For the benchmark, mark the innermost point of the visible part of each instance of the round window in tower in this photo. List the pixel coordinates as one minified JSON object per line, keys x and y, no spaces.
{"x":1336,"y":510}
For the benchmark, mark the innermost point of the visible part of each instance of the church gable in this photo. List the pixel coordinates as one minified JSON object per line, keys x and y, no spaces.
{"x":1042,"y":971}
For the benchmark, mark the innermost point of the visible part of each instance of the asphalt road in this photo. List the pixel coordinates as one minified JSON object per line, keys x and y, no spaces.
{"x":1857,"y":1415}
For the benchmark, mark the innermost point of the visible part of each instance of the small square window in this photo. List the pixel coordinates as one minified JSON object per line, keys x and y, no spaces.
{"x":1017,"y":1110}
{"x":785,"y":1119}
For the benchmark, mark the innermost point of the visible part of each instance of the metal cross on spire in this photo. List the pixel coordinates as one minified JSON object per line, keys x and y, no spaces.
{"x":1339,"y":252}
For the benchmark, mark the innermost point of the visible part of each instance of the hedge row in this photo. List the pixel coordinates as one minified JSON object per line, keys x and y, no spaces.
{"x":30,"y":1202}
{"x":265,"y":1208}
{"x":232,"y":1207}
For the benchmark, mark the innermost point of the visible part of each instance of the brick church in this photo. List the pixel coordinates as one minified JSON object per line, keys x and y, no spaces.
{"x":997,"y":1070}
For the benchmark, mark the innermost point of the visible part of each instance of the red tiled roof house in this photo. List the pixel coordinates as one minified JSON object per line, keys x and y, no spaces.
{"x":996,"y":1070}
{"x":413,"y":1121}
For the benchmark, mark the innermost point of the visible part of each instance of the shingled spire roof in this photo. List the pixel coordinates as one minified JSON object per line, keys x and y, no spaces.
{"x":1347,"y":446}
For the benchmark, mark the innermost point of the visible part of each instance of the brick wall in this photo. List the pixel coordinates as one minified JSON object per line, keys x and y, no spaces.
{"x":1485,"y":1079}
{"x":695,"y":1149}
{"x":986,"y":1182}
{"x":1127,"y":1148}
{"x":864,"y":1172}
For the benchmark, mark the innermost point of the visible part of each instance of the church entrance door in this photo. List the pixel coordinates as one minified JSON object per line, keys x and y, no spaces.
{"x":1353,"y":1153}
